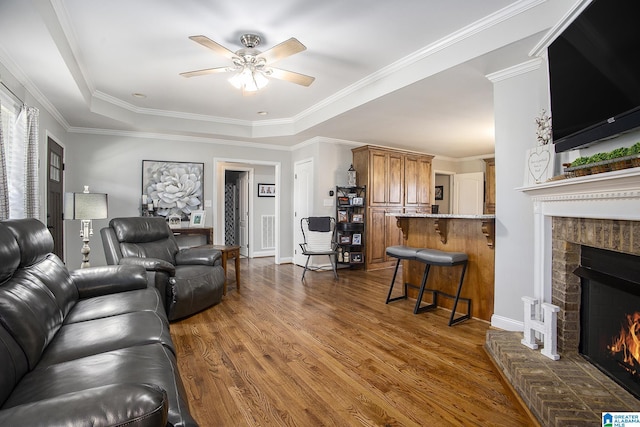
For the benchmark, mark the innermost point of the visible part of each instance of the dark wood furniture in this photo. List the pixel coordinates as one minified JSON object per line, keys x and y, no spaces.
{"x":397,"y":182}
{"x":229,"y":252}
{"x":207,"y":232}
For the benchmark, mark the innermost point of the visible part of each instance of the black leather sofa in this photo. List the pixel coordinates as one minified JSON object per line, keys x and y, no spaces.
{"x":191,"y":279}
{"x":87,"y":347}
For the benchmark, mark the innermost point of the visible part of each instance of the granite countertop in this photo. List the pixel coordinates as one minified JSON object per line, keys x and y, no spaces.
{"x":444,"y":216}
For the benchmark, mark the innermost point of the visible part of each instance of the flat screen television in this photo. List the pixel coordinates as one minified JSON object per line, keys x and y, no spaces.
{"x":594,"y":74}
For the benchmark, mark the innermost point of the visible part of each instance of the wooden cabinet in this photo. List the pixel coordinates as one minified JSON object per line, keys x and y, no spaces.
{"x":382,"y":171}
{"x":395,"y":180}
{"x":417,"y":169}
{"x":490,"y":187}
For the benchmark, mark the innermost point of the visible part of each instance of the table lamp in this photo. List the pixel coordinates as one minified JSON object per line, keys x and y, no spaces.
{"x":86,"y":207}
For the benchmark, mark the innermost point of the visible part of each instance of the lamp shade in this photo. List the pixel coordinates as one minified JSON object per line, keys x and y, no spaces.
{"x":85,"y":205}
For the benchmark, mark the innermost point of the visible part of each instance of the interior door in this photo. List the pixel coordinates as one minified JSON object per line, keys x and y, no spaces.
{"x":243,"y":213}
{"x":303,"y":204}
{"x":468,"y":189}
{"x":55,"y":186}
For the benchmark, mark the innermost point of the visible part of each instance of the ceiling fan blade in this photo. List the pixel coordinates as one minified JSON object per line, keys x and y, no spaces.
{"x":290,"y":76}
{"x":217,"y":48}
{"x":205,"y":72}
{"x":282,"y":50}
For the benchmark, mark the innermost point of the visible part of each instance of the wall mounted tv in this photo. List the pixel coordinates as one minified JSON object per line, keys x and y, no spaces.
{"x":594,"y":73}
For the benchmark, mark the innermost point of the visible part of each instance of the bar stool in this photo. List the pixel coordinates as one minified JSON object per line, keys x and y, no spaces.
{"x":446,"y":259}
{"x":401,"y":252}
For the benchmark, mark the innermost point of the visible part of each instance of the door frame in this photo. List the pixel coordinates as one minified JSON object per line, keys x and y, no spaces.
{"x":44,"y":179}
{"x":249,"y":195}
{"x":298,"y":258}
{"x":433,"y":193}
{"x":220,"y":165}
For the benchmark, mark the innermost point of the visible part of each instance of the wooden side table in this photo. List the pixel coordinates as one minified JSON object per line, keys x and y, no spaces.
{"x":229,"y":252}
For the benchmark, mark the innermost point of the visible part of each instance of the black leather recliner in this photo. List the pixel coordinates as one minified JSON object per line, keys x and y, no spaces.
{"x":190,"y":279}
{"x":88,"y":346}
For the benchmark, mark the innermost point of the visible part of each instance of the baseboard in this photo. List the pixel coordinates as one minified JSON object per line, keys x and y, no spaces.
{"x":506,"y":323}
{"x":260,"y":254}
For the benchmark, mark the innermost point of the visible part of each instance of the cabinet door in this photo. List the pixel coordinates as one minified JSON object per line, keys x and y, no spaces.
{"x":417,"y":181}
{"x":376,"y":245}
{"x":393,"y":233}
{"x":396,"y":179}
{"x":378,"y":167}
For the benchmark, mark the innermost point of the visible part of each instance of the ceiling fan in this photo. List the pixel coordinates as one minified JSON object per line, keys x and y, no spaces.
{"x":252,"y":67}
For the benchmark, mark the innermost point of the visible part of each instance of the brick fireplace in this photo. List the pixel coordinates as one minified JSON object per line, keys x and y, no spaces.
{"x":601,"y":211}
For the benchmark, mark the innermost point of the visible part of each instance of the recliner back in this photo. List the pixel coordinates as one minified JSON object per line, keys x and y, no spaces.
{"x":144,"y":237}
{"x":36,"y":292}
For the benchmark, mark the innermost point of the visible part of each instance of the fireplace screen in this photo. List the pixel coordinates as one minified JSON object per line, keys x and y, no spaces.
{"x":610,"y":314}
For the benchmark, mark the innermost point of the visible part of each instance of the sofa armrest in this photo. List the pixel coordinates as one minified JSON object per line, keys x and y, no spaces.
{"x":150,"y":264}
{"x":116,"y":404}
{"x":96,"y":281}
{"x":199,"y":255}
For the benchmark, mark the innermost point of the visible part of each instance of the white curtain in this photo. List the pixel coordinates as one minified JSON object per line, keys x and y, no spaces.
{"x":4,"y":190}
{"x":19,"y":196}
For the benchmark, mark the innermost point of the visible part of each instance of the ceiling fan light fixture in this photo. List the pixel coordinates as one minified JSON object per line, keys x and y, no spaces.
{"x":249,"y":80}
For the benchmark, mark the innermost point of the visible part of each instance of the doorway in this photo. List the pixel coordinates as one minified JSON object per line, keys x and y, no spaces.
{"x":236,"y":208}
{"x":257,"y":172}
{"x":55,"y":188}
{"x":303,"y":205}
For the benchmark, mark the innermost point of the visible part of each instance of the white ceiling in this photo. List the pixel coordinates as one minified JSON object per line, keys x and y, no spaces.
{"x":409,"y":74}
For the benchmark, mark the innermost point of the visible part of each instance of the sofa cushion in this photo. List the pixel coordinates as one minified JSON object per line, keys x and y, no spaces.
{"x":152,"y":363}
{"x":76,"y":340}
{"x":113,"y":405}
{"x":145,"y":237}
{"x":147,"y":299}
{"x":33,"y":237}
{"x":9,"y":254}
{"x":13,"y":364}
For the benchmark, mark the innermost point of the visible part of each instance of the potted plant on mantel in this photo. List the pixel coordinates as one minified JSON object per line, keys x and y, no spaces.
{"x":620,"y":158}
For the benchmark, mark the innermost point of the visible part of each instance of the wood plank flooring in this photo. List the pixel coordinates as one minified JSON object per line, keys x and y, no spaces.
{"x":332,"y":353}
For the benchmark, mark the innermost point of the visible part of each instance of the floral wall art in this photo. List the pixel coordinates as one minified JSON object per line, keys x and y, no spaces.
{"x":174,"y":188}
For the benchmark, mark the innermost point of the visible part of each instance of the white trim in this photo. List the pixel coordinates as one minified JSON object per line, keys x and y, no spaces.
{"x":506,"y":323}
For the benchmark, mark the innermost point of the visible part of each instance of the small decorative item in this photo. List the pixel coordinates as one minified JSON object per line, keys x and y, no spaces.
{"x":343,"y":201}
{"x":340,"y":257}
{"x":540,"y":164}
{"x":197,"y":219}
{"x":546,"y":327}
{"x":175,"y":221}
{"x":357,"y":217}
{"x":357,"y":201}
{"x":543,"y":132}
{"x":356,"y":239}
{"x":345,"y":257}
{"x":439,"y":192}
{"x":345,"y":239}
{"x":351,"y":177}
{"x":356,"y":257}
{"x":342,"y":216}
{"x":266,"y":190}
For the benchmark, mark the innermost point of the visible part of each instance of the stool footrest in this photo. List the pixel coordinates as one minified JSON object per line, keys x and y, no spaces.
{"x":431,"y":306}
{"x":453,"y":320}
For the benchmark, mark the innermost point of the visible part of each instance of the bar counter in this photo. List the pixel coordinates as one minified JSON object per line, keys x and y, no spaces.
{"x":471,"y":234}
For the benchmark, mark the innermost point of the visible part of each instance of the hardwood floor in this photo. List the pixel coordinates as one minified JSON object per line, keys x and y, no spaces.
{"x":325,"y":352}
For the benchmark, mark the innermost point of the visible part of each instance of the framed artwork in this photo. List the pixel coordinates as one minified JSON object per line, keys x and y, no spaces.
{"x":356,"y":239}
{"x":266,"y":190}
{"x":345,"y":239}
{"x":197,"y":219}
{"x":356,"y":257}
{"x":342,"y":216}
{"x":172,"y":188}
{"x":540,"y":164}
{"x":439,"y":192}
{"x":357,"y":201}
{"x":357,"y":217}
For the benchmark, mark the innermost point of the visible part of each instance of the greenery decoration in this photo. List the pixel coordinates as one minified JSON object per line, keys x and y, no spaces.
{"x":614,"y":154}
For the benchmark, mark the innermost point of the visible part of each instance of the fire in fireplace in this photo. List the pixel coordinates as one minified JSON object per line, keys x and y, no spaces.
{"x":610,"y":314}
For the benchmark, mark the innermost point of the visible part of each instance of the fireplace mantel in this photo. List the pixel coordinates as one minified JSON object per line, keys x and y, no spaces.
{"x":610,"y":195}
